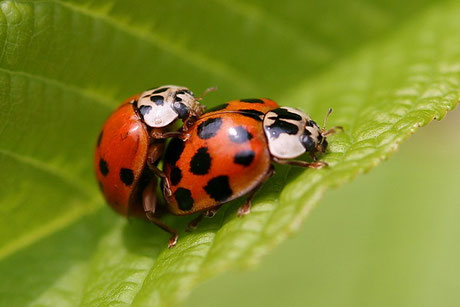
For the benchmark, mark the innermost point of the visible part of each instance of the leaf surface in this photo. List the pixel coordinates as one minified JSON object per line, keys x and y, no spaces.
{"x":64,"y":65}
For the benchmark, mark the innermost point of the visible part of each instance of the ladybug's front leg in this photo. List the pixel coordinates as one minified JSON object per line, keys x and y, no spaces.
{"x":161,"y":174}
{"x":166,"y":135}
{"x":189,"y":123}
{"x":332,"y":131}
{"x":155,"y":152}
{"x":246,"y":207}
{"x":149,"y":201}
{"x":315,"y":164}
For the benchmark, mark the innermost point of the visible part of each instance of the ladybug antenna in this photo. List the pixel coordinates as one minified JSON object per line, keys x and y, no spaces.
{"x":325,"y":133}
{"x":325,"y":119}
{"x":206,"y":91}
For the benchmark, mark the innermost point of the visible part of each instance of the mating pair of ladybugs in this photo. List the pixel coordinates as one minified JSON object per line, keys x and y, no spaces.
{"x":214,"y":158}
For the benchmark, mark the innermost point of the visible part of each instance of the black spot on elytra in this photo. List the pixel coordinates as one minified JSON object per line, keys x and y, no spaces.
{"x":209,"y":128}
{"x":184,"y":199}
{"x":160,"y":90}
{"x":174,"y":151}
{"x":254,"y":114}
{"x":284,"y":113}
{"x":244,"y":157}
{"x":201,"y":162}
{"x":99,"y":139}
{"x":157,"y":99}
{"x":219,"y":188}
{"x":103,"y":167}
{"x":280,"y":126}
{"x":217,"y":108}
{"x":252,"y":100}
{"x":144,"y":110}
{"x":127,"y":176}
{"x":239,"y":134}
{"x":176,"y":175}
{"x":181,"y":109}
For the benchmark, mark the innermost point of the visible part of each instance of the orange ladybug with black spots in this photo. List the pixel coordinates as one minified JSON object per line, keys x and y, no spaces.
{"x":224,"y":157}
{"x":131,"y":143}
{"x":230,"y":152}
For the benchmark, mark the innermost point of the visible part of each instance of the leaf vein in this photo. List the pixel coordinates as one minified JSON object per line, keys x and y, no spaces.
{"x":102,"y":100}
{"x":41,"y":232}
{"x":48,"y":169}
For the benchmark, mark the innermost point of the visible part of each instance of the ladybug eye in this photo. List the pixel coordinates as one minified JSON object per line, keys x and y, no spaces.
{"x":181,"y":109}
{"x":307,"y":142}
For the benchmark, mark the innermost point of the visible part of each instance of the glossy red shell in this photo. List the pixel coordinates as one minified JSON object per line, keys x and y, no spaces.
{"x":225,"y":157}
{"x":254,"y":105}
{"x":120,"y":158}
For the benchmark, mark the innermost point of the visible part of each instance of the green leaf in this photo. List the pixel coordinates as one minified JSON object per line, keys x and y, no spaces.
{"x":399,"y":249}
{"x":386,"y":69}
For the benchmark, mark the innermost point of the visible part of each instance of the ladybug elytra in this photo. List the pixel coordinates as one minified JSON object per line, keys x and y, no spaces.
{"x":132,"y":141}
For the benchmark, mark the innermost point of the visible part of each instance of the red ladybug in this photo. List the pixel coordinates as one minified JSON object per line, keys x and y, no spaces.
{"x":132,"y":141}
{"x":230,"y":151}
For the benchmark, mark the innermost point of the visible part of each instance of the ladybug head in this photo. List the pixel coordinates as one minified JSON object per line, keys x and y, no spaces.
{"x":186,"y":104}
{"x":161,"y":106}
{"x":311,"y":139}
{"x":314,"y":138}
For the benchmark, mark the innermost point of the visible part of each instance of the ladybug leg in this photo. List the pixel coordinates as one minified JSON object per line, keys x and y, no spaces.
{"x":149,"y":202}
{"x":332,"y":130}
{"x":315,"y":164}
{"x":246,"y":207}
{"x":171,"y":134}
{"x":155,"y":152}
{"x":161,"y":174}
{"x":194,"y":223}
{"x":313,"y":156}
{"x":188,"y":123}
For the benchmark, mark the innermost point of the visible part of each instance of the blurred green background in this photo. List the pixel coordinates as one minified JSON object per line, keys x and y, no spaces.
{"x":390,"y":238}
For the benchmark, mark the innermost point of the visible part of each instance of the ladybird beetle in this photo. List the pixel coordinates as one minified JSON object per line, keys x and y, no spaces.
{"x":230,"y":153}
{"x":132,"y":141}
